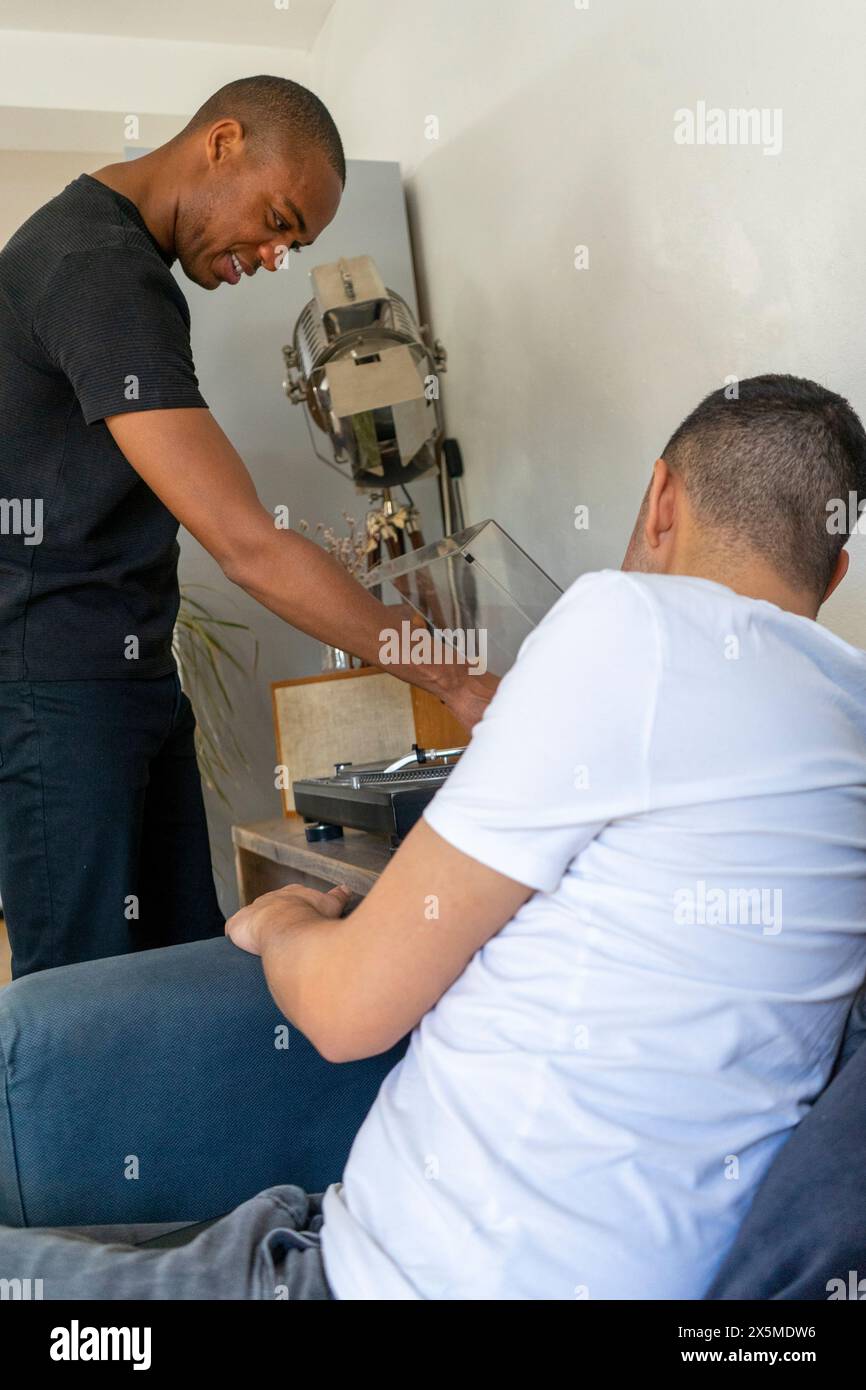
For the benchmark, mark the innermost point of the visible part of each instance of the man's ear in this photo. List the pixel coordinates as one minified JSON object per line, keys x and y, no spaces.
{"x":660,"y":504}
{"x":225,"y":137}
{"x":839,"y":571}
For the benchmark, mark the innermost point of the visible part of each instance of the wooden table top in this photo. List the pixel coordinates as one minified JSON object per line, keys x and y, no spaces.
{"x":356,"y":860}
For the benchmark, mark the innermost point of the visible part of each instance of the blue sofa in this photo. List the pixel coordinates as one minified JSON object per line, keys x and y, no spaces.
{"x":166,"y":1087}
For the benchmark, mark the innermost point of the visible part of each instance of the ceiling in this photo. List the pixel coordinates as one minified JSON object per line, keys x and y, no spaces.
{"x":203,"y":21}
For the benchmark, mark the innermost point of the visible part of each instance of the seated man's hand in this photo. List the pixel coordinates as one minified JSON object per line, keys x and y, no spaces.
{"x":285,"y":907}
{"x":355,"y":987}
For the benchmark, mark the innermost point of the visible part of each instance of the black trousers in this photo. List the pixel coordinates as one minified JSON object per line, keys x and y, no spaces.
{"x":103,"y":838}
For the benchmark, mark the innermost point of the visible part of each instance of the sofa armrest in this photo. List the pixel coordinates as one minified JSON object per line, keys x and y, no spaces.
{"x":806,"y":1225}
{"x":164,"y":1086}
{"x":855,"y":1032}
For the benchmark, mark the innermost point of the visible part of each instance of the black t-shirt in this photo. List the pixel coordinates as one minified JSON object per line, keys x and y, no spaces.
{"x":92,"y":323}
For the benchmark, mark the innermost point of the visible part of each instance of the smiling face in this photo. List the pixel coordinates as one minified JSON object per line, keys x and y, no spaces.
{"x":245,"y":207}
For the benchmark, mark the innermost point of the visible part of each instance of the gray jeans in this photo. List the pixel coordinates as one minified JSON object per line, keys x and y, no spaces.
{"x":267,"y":1248}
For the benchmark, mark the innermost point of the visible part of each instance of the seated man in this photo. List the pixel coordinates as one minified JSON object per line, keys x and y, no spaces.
{"x":625,"y":936}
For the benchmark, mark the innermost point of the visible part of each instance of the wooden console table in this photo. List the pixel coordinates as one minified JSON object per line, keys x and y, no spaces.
{"x":273,"y":853}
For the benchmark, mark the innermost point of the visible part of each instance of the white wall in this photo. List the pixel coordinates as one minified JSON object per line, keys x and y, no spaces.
{"x":29,"y":178}
{"x":556,"y":129}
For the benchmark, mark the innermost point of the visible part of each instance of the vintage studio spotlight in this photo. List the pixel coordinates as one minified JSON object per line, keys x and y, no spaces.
{"x":368,"y":376}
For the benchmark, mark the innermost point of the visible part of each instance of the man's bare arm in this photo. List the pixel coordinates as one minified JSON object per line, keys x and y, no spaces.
{"x":187,"y":460}
{"x":355,"y":986}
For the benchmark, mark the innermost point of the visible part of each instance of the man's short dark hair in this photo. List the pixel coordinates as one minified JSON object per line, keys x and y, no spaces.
{"x":272,"y":110}
{"x":764,"y":461}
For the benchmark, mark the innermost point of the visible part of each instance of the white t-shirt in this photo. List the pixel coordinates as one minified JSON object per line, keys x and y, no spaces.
{"x":680,"y":773}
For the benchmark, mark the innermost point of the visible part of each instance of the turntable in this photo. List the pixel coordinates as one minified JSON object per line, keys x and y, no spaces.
{"x":477,"y":592}
{"x":385,"y":798}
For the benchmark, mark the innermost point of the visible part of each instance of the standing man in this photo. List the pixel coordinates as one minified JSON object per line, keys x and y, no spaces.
{"x":106,"y":445}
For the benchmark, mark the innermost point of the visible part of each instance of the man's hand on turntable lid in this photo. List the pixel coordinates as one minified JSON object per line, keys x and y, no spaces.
{"x":469,"y":695}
